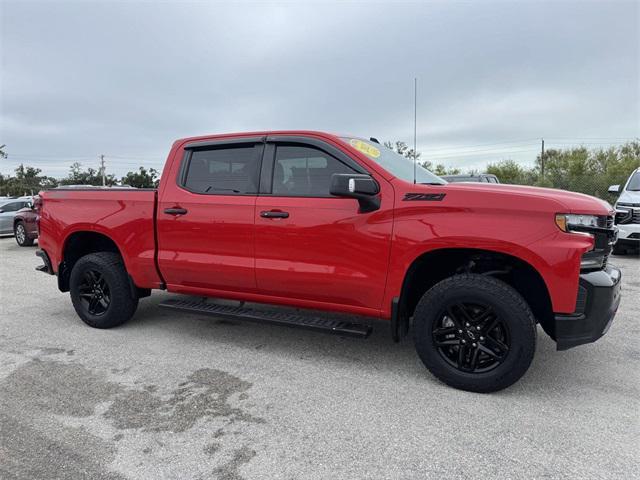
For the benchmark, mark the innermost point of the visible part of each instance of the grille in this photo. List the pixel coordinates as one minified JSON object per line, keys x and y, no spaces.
{"x":627,"y":215}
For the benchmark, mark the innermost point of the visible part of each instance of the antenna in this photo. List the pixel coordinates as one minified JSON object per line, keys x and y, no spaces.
{"x":415,"y":125}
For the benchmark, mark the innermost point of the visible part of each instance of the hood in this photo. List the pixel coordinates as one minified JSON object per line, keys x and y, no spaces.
{"x":629,"y":196}
{"x":569,"y":202}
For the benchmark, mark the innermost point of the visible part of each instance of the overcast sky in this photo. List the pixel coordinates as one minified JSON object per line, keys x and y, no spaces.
{"x":125,"y":79}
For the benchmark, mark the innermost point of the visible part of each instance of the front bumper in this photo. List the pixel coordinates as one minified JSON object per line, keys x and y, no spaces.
{"x":598,"y":300}
{"x":629,"y":234}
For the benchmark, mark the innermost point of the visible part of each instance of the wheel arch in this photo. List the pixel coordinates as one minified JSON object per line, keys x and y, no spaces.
{"x":76,"y":245}
{"x":435,"y":265}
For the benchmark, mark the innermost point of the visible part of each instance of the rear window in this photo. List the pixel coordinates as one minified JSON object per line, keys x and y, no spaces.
{"x":224,"y":171}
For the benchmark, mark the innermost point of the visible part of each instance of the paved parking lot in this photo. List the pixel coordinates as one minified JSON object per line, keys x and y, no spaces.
{"x":180,"y":396}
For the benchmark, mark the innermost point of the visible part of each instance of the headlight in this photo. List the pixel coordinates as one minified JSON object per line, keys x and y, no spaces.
{"x":600,"y":228}
{"x":566,"y":221}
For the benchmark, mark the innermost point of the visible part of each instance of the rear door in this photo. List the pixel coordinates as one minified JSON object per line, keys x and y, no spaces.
{"x":311,"y":245}
{"x":206,"y":218}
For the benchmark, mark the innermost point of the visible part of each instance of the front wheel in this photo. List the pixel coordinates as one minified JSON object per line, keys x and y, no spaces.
{"x":20,"y":233}
{"x":100,"y":290}
{"x":475,"y":333}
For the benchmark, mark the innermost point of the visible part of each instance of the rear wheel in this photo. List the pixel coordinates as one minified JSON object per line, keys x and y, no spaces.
{"x":20,"y":232}
{"x":100,"y":290}
{"x":475,"y":333}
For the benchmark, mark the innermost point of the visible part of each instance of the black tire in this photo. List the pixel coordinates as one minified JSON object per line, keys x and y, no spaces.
{"x":458,"y":365}
{"x":20,"y":234}
{"x":100,"y":279}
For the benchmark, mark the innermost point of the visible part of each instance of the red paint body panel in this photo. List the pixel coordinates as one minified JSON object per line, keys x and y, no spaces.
{"x":326,"y":255}
{"x":125,"y":216}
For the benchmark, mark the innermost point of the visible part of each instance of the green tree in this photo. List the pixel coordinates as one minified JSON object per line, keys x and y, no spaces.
{"x":405,"y":151}
{"x":508,"y":171}
{"x":440,"y":169}
{"x":142,"y":178}
{"x":402,"y":149}
{"x":90,"y":176}
{"x":587,"y":171}
{"x":27,"y":181}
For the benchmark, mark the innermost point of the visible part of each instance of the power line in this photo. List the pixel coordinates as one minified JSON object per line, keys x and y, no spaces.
{"x":528,"y":140}
{"x":485,"y":154}
{"x":497,"y":149}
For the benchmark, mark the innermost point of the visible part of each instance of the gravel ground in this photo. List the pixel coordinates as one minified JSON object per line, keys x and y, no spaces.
{"x":181,"y":396}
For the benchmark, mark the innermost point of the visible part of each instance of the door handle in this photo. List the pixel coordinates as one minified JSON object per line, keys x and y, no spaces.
{"x":175,"y":211}
{"x":274,"y":214}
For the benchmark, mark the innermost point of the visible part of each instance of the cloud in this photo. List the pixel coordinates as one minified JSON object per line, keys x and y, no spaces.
{"x":125,"y":79}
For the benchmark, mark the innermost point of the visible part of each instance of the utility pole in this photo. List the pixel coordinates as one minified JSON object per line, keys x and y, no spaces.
{"x":542,"y":160}
{"x":102,"y":169}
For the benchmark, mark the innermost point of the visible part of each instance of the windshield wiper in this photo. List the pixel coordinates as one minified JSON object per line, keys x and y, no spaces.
{"x":432,"y":183}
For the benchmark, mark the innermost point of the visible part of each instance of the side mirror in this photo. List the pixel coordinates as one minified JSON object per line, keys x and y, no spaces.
{"x":361,"y":187}
{"x":614,"y":189}
{"x":29,"y":205}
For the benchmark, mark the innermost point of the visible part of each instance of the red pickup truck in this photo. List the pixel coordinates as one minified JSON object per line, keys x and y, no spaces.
{"x":338,"y":223}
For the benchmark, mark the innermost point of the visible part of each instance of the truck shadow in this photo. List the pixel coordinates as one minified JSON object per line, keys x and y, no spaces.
{"x":376,"y":354}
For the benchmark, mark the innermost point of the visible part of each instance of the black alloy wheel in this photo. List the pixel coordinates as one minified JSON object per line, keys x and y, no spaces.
{"x":94,"y":293}
{"x":471,"y":337}
{"x":475,"y":332}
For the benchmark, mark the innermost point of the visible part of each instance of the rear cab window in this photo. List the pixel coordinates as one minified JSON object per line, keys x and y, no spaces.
{"x":225,"y":170}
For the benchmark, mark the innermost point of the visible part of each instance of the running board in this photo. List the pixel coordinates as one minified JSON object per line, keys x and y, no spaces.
{"x":308,"y":321}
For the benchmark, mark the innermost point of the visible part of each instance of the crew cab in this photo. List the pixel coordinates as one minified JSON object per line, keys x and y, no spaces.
{"x":338,"y":223}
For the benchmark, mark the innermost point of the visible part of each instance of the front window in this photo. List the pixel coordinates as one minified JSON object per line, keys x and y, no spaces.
{"x":634,"y":183}
{"x":394,"y":163}
{"x":304,"y":171}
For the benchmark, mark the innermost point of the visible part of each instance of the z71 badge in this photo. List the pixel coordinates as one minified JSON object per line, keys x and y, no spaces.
{"x":423,"y":197}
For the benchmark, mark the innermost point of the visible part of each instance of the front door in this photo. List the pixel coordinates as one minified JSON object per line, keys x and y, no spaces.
{"x":311,"y":245}
{"x":206,"y":220}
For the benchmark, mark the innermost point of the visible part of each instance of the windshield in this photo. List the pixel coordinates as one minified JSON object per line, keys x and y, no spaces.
{"x":394,"y":163}
{"x":634,"y":183}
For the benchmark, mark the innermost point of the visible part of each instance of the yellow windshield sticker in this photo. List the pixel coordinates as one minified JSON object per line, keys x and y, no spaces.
{"x":365,"y":148}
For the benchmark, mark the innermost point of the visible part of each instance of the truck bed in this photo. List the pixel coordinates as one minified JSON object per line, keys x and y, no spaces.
{"x":125,"y":215}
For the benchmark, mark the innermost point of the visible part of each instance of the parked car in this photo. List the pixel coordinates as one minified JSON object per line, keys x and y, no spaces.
{"x":8,"y":210}
{"x":628,"y":213}
{"x":327,"y":222}
{"x":25,"y":225}
{"x":480,"y":177}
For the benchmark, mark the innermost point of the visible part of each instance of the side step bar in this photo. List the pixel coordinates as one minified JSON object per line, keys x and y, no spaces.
{"x":308,"y":321}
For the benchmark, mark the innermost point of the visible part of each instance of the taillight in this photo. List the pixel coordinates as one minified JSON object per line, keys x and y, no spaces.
{"x":37,"y":203}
